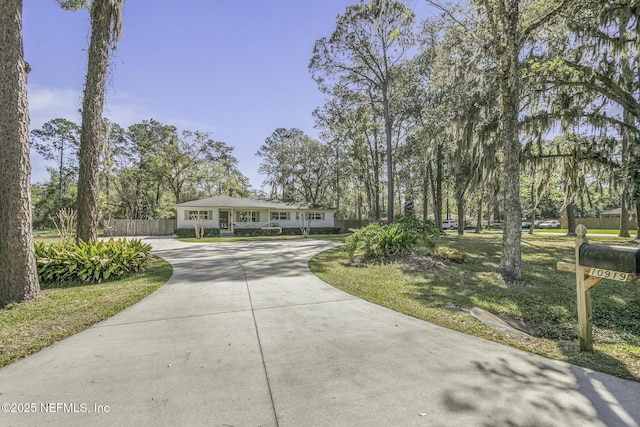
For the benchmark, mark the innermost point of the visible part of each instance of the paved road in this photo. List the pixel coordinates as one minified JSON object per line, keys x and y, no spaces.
{"x":244,"y":335}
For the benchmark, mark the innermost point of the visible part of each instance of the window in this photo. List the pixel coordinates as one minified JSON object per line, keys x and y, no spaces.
{"x":280,"y":216}
{"x":247,"y":216}
{"x":311,"y":216}
{"x":201,"y":215}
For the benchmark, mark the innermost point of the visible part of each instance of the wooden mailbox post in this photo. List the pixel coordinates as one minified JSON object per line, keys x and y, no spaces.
{"x":595,"y":263}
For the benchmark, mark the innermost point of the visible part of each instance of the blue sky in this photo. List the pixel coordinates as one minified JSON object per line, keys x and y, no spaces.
{"x":234,"y":68}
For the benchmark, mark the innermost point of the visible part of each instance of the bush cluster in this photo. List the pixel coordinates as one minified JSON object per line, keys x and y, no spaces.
{"x":186,"y":233}
{"x":295,"y":231}
{"x":90,"y":262}
{"x":252,"y":232}
{"x":382,"y":240}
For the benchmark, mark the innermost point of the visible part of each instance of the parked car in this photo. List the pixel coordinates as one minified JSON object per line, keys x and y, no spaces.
{"x":550,"y":224}
{"x":526,"y":224}
{"x":449,"y":224}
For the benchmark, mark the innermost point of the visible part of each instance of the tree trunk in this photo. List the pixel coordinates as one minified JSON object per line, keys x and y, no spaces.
{"x":624,"y":214}
{"x":61,"y":174}
{"x":18,"y":273}
{"x":91,"y":134}
{"x":571,"y":219}
{"x":638,"y":219}
{"x":511,"y":260}
{"x":479,"y":221}
{"x":390,"y":168}
{"x":627,"y":160}
{"x":534,"y":206}
{"x":437,"y":194}
{"x":460,"y":206}
{"x":425,"y":197}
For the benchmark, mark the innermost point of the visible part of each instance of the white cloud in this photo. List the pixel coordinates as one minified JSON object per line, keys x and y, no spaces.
{"x":47,"y":103}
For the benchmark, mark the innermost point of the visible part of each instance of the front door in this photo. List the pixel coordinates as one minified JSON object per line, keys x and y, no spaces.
{"x":224,"y":220}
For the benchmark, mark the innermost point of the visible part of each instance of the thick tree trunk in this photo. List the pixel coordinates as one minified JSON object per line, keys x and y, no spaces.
{"x":624,"y":214}
{"x":91,"y":134}
{"x":18,"y":273}
{"x":511,"y":260}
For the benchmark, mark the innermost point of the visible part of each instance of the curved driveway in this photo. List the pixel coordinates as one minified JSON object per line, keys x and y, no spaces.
{"x":244,"y":335}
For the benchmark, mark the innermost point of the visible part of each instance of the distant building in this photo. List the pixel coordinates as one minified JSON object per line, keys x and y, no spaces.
{"x":615,"y":213}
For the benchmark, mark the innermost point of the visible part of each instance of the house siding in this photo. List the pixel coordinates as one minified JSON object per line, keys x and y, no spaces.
{"x":265,"y":217}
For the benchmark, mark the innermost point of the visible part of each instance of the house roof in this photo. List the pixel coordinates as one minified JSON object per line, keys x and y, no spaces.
{"x":237,"y":202}
{"x":617,"y":212}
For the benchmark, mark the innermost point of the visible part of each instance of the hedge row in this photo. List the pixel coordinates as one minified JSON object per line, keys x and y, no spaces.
{"x":185,"y":233}
{"x":314,"y":230}
{"x":271,"y":231}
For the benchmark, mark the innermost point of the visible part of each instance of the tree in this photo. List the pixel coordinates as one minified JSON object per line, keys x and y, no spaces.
{"x":598,"y":59}
{"x":106,"y":28}
{"x":368,"y":45}
{"x":509,"y":29}
{"x":300,"y":165}
{"x":58,"y":141}
{"x":18,"y":274}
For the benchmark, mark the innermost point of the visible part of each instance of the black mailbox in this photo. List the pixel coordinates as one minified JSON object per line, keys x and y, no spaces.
{"x":624,"y":259}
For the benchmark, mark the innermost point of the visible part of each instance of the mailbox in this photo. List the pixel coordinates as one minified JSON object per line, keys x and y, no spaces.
{"x":624,"y":259}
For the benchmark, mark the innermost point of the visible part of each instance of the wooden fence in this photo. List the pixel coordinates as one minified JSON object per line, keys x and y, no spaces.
{"x":140,"y":227}
{"x":599,"y":223}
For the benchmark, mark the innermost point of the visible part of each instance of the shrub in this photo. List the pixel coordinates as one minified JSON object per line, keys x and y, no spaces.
{"x":266,"y":231}
{"x":185,"y":233}
{"x":90,"y":262}
{"x":314,"y":230}
{"x":382,"y":240}
{"x":449,"y":254}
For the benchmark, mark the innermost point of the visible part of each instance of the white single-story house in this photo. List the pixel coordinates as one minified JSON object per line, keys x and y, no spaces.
{"x":229,"y":214}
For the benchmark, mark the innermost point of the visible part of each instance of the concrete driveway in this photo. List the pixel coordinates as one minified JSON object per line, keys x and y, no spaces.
{"x":244,"y":335}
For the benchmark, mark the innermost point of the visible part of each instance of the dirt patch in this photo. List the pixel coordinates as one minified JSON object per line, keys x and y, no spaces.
{"x":411,"y":260}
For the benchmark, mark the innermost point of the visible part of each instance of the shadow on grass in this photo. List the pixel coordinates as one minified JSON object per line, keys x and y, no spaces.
{"x":544,"y":301}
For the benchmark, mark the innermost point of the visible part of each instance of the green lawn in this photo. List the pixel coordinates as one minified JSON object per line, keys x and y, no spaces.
{"x":545,"y":301}
{"x":59,"y":312}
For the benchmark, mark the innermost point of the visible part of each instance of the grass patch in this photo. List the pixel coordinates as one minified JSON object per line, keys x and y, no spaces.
{"x":61,"y":311}
{"x":441,"y":292}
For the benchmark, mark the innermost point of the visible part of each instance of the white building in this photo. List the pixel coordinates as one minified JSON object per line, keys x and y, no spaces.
{"x":229,"y":214}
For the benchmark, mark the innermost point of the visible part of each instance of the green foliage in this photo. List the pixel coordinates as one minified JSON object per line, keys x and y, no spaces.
{"x":90,"y":262}
{"x":382,"y":240}
{"x":313,"y":230}
{"x":185,"y":233}
{"x":251,"y":232}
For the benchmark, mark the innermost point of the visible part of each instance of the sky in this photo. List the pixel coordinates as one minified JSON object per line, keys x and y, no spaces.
{"x":234,"y":68}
